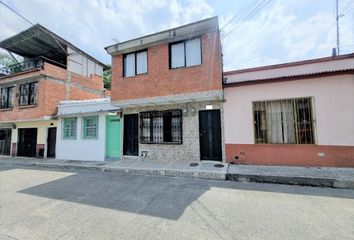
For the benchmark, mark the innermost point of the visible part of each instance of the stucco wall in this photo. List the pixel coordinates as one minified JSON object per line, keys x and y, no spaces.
{"x":42,"y":131}
{"x":333,"y":105}
{"x":79,"y":148}
{"x":189,"y":150}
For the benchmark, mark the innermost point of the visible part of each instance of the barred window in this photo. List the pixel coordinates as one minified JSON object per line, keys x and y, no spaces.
{"x":28,"y":94}
{"x":6,"y":97}
{"x":90,"y":127}
{"x":161,"y":127}
{"x":284,"y":121}
{"x":69,"y":128}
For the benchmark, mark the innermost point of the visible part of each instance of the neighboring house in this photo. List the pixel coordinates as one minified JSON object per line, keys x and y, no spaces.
{"x":299,"y":113}
{"x":89,"y":130}
{"x":53,"y":70}
{"x":169,"y":85}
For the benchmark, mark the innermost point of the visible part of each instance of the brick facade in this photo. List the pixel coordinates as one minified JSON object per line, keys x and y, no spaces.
{"x":163,"y":81}
{"x":54,"y":84}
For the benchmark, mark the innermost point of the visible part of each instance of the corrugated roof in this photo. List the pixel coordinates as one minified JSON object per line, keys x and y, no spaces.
{"x":294,"y":69}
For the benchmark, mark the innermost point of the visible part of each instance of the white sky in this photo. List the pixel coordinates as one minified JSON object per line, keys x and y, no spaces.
{"x":283,"y":31}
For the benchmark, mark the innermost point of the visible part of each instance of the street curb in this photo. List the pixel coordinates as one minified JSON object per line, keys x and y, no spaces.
{"x":302,"y":181}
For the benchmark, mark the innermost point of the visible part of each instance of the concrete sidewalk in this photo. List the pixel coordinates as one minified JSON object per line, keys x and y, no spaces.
{"x":309,"y":176}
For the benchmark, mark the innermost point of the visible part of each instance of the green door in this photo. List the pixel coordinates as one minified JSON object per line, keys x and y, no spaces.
{"x":113,"y":136}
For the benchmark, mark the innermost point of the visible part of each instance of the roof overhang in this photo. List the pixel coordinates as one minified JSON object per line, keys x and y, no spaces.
{"x":306,"y":68}
{"x":84,"y":107}
{"x":176,"y":34}
{"x":215,"y":95}
{"x":38,"y":41}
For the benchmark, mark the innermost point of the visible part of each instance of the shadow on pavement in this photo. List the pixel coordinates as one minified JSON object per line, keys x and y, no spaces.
{"x":163,"y":197}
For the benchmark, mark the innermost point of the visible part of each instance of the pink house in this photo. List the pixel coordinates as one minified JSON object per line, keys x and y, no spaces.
{"x":299,"y":113}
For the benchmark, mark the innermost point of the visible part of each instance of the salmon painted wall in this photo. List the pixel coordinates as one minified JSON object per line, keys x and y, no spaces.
{"x":334,"y":112}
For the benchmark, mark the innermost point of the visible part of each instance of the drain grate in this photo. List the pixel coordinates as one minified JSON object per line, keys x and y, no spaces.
{"x":218,"y":165}
{"x":194,"y":164}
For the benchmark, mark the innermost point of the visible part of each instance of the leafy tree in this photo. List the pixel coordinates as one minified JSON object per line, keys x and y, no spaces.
{"x":107,"y":77}
{"x":6,"y":60}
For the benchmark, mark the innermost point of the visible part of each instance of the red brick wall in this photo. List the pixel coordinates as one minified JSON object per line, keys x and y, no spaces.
{"x":50,"y":93}
{"x":162,"y":81}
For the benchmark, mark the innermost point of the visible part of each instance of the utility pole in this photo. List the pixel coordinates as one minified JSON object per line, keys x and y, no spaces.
{"x":337,"y":20}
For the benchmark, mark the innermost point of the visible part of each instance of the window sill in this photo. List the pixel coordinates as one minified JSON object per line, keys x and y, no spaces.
{"x":27,"y":106}
{"x":190,"y":67}
{"x":137,"y":75}
{"x":164,"y":143}
{"x":6,"y":109}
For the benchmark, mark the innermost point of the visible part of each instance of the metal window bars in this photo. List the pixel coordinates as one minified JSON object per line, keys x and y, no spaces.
{"x":287,"y":121}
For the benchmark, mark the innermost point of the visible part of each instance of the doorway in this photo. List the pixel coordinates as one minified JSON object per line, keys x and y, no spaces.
{"x":210,"y":135}
{"x":27,"y":142}
{"x":113,"y":136}
{"x":5,"y":141}
{"x":51,"y":142}
{"x":131,"y":135}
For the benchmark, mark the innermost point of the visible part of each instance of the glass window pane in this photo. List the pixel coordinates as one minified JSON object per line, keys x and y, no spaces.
{"x":141,"y":62}
{"x":193,"y":52}
{"x":129,"y":65}
{"x":177,"y":55}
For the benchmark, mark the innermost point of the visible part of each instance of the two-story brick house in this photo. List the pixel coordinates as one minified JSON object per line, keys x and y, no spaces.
{"x":169,"y":85}
{"x":53,"y":70}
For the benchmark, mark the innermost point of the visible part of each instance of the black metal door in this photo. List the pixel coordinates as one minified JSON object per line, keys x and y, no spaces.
{"x":130,"y":136}
{"x":27,"y":142}
{"x":51,"y":141}
{"x":210,"y":135}
{"x":5,"y":141}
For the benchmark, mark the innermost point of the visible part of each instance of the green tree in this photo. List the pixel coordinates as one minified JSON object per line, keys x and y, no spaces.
{"x":6,"y":60}
{"x":107,"y":77}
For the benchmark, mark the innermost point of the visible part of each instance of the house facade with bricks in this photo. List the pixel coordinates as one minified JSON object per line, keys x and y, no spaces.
{"x":295,"y":114}
{"x":53,"y":70}
{"x":169,"y":86}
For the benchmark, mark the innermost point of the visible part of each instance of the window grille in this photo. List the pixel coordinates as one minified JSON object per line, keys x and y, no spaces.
{"x":69,"y":128}
{"x":161,"y":127}
{"x":287,"y":121}
{"x":6,"y":97}
{"x":90,"y":127}
{"x":28,"y":94}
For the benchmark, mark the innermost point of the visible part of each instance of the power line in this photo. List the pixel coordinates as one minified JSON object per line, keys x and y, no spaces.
{"x":251,"y":14}
{"x":346,"y":7}
{"x":236,"y":15}
{"x":17,"y":13}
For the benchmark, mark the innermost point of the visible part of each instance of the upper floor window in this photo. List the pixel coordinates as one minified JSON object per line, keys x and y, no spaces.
{"x":90,"y":127}
{"x":161,"y":127}
{"x":135,"y":63}
{"x":284,"y":121}
{"x":28,"y":94}
{"x":69,"y":128}
{"x":186,"y":53}
{"x":6,"y":97}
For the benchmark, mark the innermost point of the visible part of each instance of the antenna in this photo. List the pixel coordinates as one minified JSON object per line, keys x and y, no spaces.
{"x":337,"y":21}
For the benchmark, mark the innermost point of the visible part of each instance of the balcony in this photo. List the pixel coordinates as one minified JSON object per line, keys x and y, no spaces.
{"x":35,"y":63}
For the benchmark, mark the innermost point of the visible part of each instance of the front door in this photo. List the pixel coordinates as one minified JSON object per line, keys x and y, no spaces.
{"x":131,"y":138}
{"x":5,"y":141}
{"x":210,"y":135}
{"x":113,"y":136}
{"x":51,"y":141}
{"x":27,"y":142}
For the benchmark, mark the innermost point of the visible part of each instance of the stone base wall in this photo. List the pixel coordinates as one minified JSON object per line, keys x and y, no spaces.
{"x":189,"y":149}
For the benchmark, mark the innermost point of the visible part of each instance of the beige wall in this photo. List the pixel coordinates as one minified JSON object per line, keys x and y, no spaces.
{"x":41,"y":132}
{"x":333,"y":104}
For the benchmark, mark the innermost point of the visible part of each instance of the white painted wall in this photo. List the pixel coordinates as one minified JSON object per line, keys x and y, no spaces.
{"x":333,"y":104}
{"x":79,"y":148}
{"x":81,"y":64}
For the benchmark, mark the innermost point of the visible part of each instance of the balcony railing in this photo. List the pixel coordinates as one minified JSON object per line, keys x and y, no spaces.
{"x":33,"y":63}
{"x":22,"y":66}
